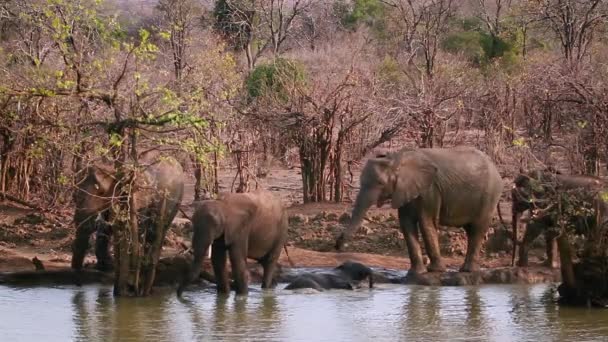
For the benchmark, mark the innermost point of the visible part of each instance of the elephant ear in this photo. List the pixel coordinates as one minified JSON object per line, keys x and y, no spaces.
{"x":414,"y":174}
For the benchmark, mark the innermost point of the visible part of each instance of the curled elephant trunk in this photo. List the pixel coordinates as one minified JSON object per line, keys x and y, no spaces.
{"x":364,"y":201}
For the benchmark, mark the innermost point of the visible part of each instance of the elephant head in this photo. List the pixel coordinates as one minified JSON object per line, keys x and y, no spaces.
{"x":93,"y":196}
{"x":396,"y":177}
{"x":357,"y":272}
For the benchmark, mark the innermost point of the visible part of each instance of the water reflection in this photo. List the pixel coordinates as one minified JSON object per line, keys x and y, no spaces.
{"x":389,"y":312}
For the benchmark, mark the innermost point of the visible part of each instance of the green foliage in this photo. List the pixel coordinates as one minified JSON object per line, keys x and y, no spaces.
{"x":467,"y":43}
{"x":276,"y":79}
{"x":227,"y":20}
{"x":389,"y":71}
{"x":360,"y":12}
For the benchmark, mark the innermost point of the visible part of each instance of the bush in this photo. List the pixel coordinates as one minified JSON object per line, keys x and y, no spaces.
{"x":276,"y":78}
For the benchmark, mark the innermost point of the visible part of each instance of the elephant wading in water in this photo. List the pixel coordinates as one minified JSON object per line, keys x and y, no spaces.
{"x":457,"y":187}
{"x":244,"y":225}
{"x":534,"y":191}
{"x":347,"y":276}
{"x":160,"y":191}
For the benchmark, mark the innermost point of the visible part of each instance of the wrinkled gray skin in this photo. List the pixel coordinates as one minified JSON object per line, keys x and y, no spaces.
{"x":523,"y":192}
{"x":457,"y":187}
{"x":161,"y":180}
{"x":242,"y":225}
{"x":347,"y":276}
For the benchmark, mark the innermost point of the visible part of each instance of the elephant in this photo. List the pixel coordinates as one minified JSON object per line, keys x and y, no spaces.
{"x":243,"y":225}
{"x":347,"y":276}
{"x":458,"y":186}
{"x":158,"y":195}
{"x":530,"y":190}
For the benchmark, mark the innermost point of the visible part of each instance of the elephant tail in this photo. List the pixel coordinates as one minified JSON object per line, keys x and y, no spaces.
{"x":288,"y":258}
{"x":502,"y":222}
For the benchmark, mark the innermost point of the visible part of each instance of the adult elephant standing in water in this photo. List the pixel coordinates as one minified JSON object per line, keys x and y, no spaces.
{"x":457,"y":187}
{"x":158,"y":194}
{"x":241,"y":225}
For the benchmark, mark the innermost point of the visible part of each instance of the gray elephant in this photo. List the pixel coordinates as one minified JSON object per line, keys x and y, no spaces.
{"x":243,"y":225}
{"x":160,"y":191}
{"x":347,"y":276}
{"x":457,"y":186}
{"x":535,"y":191}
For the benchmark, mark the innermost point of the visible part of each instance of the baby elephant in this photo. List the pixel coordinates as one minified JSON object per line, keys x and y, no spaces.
{"x":239,"y":226}
{"x":346,"y":277}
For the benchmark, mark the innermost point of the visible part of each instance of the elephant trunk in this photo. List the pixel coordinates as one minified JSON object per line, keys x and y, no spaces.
{"x":364,"y":201}
{"x":193,"y":272}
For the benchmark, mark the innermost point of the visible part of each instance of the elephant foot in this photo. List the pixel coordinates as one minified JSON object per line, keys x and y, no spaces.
{"x":417,"y":270}
{"x":105,"y":266}
{"x":436,"y":267}
{"x":470,"y":268}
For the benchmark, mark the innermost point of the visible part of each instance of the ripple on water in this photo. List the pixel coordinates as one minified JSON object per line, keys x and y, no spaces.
{"x":388,"y":312}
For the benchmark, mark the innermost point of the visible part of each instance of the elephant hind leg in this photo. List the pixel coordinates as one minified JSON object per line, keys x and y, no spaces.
{"x":475,"y":235}
{"x":269,"y":263}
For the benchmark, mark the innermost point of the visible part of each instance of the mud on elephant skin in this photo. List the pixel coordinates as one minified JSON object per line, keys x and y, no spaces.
{"x":458,"y":187}
{"x":535,"y":191}
{"x":159,"y":193}
{"x":347,"y":276}
{"x":239,"y":225}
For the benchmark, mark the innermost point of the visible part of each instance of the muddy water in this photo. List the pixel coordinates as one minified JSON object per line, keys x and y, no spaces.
{"x":388,"y":313}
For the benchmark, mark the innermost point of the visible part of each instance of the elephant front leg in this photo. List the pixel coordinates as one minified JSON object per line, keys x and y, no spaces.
{"x":81,"y":244}
{"x":552,"y":251}
{"x":409,"y":227}
{"x":218,"y":260}
{"x":238,"y":260}
{"x":533,"y":230}
{"x":102,"y":247}
{"x":431,"y":243}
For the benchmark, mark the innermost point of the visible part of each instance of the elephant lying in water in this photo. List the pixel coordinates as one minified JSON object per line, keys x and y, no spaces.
{"x":457,"y":187}
{"x":347,"y":276}
{"x":159,"y":194}
{"x":242,"y":225}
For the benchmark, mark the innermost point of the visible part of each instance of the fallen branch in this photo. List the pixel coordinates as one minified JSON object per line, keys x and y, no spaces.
{"x":11,"y":198}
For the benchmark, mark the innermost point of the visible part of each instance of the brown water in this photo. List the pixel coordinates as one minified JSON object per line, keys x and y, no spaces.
{"x":387,"y":313}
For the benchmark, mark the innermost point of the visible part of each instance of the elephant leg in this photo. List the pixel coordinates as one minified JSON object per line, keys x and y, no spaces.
{"x":238,"y":260}
{"x":81,"y":243}
{"x":552,"y":252}
{"x":476,"y":233}
{"x":218,"y":260}
{"x":269,"y":263}
{"x":533,"y":230}
{"x":409,"y":227}
{"x":102,"y":247}
{"x":431,"y":244}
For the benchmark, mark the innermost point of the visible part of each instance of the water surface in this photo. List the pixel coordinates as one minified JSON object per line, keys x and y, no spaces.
{"x":387,"y":313}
